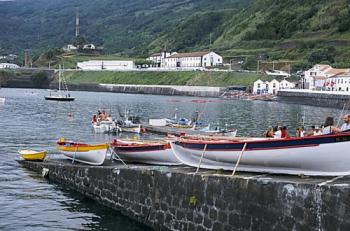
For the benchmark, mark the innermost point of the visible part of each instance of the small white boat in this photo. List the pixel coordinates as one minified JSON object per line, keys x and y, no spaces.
{"x":2,"y":100}
{"x":107,"y":126}
{"x":85,"y":153}
{"x":131,"y":128}
{"x":325,"y":155}
{"x":149,"y":152}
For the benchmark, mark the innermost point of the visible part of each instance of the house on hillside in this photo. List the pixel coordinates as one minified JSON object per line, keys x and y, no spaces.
{"x":265,"y":87}
{"x":89,"y":46}
{"x":69,"y":48}
{"x":193,"y":60}
{"x":108,"y":65}
{"x":317,"y":76}
{"x":8,"y":66}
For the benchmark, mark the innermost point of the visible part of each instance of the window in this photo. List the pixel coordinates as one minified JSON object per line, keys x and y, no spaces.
{"x":274,"y":85}
{"x":258,"y":85}
{"x":347,"y":89}
{"x":205,"y":59}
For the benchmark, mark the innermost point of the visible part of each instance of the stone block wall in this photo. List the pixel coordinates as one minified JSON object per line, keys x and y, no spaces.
{"x":175,"y":199}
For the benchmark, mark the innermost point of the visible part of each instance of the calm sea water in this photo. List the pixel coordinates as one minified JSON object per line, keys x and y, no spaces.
{"x":28,"y":202}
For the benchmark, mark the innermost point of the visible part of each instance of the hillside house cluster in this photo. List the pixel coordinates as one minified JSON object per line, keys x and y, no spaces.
{"x":186,"y":60}
{"x":322,"y":76}
{"x":265,"y":87}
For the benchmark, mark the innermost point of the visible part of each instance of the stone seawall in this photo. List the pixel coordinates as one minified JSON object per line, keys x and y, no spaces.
{"x":150,"y":89}
{"x":315,"y":98}
{"x":175,"y":199}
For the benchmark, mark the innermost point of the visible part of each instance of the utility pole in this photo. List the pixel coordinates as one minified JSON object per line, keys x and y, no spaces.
{"x":77,"y":22}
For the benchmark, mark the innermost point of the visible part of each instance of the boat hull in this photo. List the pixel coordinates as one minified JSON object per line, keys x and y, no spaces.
{"x":87,"y":154}
{"x":32,"y":155}
{"x":155,"y":154}
{"x":319,"y":156}
{"x":56,"y":98}
{"x":131,"y":129}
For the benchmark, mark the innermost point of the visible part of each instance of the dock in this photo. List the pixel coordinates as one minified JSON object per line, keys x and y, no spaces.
{"x":177,"y":198}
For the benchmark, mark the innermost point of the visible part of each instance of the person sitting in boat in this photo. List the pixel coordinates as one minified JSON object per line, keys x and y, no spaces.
{"x":94,"y":119}
{"x":277,"y":132}
{"x":346,"y":126}
{"x":318,"y":131}
{"x":269,"y":133}
{"x":300,"y":132}
{"x":284,"y":132}
{"x":329,"y":127}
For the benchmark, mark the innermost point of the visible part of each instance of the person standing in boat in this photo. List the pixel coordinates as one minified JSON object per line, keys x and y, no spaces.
{"x":346,"y":125}
{"x":329,"y":127}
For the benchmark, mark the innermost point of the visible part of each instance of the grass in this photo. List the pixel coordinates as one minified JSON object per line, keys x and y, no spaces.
{"x":190,"y":78}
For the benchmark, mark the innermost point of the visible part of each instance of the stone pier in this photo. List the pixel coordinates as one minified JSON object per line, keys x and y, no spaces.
{"x":315,"y":98}
{"x":174,"y":198}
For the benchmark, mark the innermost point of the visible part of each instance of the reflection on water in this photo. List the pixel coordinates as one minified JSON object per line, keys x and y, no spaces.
{"x":29,"y":203}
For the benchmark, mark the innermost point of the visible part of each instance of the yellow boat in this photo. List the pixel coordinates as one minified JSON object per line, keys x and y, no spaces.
{"x":93,"y":154}
{"x":33,"y":155}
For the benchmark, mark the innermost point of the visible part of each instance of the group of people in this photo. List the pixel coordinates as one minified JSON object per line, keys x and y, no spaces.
{"x":327,"y":128}
{"x":101,"y":116}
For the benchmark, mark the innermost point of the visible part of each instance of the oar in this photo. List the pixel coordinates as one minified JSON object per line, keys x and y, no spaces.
{"x":200,"y":161}
{"x":239,"y":159}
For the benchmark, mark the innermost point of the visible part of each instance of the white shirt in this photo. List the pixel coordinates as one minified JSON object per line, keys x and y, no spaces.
{"x":345,"y":127}
{"x":327,"y":130}
{"x":278,"y":134}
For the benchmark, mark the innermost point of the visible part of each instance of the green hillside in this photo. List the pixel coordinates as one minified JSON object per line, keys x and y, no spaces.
{"x":306,"y":31}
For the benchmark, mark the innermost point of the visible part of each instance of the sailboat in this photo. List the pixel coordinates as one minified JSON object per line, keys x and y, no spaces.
{"x":65,"y":96}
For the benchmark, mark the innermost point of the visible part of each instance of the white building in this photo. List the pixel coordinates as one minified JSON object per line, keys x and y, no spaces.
{"x":265,"y":87}
{"x":69,"y":47}
{"x":284,"y":84}
{"x":89,"y":47}
{"x":194,"y":59}
{"x":158,"y":58}
{"x":318,"y":74}
{"x":8,"y":66}
{"x":111,"y":65}
{"x":340,"y":82}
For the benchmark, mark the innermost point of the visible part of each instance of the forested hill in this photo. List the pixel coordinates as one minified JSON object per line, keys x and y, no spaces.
{"x":127,"y":26}
{"x":309,"y":31}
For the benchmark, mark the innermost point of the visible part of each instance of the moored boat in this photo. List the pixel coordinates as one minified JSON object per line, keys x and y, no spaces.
{"x":2,"y":100}
{"x":33,"y":155}
{"x":156,"y":152}
{"x":93,"y":154}
{"x":325,"y":155}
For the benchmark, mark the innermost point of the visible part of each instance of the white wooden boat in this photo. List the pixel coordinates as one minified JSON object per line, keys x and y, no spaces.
{"x":149,"y":152}
{"x":131,"y":128}
{"x":85,"y":153}
{"x":107,"y":126}
{"x":326,"y":155}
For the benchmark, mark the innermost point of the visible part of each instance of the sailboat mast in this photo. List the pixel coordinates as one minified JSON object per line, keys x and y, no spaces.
{"x":59,"y":79}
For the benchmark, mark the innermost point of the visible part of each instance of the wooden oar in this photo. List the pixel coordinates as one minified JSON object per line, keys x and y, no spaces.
{"x":239,"y":159}
{"x":200,"y":161}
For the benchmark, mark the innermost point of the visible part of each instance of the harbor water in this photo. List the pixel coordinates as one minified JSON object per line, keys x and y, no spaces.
{"x":29,"y":202}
